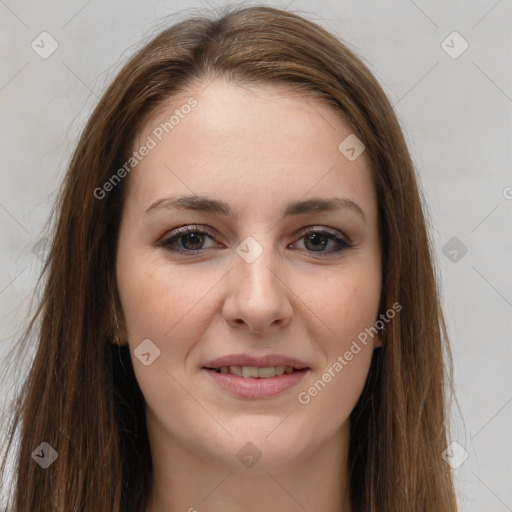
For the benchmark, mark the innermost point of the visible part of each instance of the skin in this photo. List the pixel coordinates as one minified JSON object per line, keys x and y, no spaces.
{"x":255,"y":148}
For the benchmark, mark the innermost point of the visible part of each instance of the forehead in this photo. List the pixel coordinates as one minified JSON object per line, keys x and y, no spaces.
{"x":247,"y":143}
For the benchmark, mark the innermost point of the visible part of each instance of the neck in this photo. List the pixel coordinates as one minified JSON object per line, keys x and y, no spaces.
{"x":317,"y":479}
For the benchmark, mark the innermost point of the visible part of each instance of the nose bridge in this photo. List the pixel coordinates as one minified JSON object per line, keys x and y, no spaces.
{"x":257,"y":268}
{"x":257,"y":294}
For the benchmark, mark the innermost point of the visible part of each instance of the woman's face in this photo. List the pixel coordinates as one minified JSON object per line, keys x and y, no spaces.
{"x":251,"y":284}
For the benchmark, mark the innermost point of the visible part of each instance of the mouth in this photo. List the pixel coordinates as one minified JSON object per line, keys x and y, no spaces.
{"x":254,"y":372}
{"x":251,"y":382}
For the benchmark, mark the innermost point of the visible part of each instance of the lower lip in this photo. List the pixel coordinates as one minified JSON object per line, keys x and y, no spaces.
{"x":256,"y":388}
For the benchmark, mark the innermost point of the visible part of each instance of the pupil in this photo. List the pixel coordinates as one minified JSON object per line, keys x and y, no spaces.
{"x":198,"y":240}
{"x":315,"y":236}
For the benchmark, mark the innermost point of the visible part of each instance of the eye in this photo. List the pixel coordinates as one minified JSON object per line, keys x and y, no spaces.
{"x":190,"y":240}
{"x":315,"y":240}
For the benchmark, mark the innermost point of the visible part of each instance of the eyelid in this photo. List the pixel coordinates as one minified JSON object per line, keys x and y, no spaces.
{"x":342,"y":242}
{"x":315,"y":228}
{"x":176,"y":233}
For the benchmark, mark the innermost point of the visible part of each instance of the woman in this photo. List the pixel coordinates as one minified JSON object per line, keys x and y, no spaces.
{"x":240,"y":307}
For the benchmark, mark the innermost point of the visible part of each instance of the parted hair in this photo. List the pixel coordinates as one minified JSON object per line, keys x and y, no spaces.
{"x":80,"y":394}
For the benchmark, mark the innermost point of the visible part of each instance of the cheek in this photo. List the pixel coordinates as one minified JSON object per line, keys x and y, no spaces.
{"x":330,"y":396}
{"x":162,"y":303}
{"x":346,"y":302}
{"x":346,"y":305}
{"x":353,"y":308}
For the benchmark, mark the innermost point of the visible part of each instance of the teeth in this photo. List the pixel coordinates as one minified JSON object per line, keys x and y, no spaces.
{"x":254,"y":372}
{"x":236,"y":370}
{"x":250,"y":371}
{"x":266,"y":372}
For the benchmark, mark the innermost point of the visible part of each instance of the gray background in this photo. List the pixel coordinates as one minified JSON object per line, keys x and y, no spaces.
{"x":457,"y":116}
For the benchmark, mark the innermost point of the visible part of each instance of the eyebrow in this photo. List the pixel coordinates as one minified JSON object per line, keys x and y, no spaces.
{"x":210,"y":205}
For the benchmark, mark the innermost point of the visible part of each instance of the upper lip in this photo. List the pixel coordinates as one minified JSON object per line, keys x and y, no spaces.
{"x":258,"y":362}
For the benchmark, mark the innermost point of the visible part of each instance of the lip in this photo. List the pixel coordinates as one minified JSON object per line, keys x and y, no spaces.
{"x":256,"y":387}
{"x":258,"y":362}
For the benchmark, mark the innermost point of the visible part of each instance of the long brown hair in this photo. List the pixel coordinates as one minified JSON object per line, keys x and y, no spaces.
{"x":81,"y":396}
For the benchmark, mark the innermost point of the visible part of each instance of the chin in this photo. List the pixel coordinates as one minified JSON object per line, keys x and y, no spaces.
{"x":259,"y":449}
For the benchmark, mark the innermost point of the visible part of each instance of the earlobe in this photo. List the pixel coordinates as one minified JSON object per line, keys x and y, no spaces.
{"x":377,"y":341}
{"x":120,"y":335}
{"x":120,"y":339}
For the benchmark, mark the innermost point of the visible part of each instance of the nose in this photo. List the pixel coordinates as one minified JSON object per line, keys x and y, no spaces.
{"x":258,"y":299}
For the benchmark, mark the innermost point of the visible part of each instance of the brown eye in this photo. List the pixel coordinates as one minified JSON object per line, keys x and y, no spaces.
{"x":189,"y":239}
{"x":316,"y":240}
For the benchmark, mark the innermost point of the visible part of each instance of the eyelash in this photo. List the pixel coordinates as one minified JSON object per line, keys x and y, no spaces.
{"x":175,"y":235}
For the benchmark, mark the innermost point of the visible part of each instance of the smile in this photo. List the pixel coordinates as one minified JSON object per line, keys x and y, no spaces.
{"x":253,"y":382}
{"x":255,"y":372}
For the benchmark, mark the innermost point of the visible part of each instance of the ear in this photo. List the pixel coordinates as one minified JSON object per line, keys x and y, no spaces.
{"x":377,"y":341}
{"x":120,"y":333}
